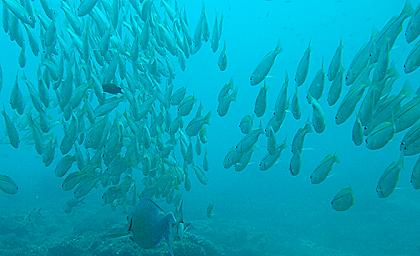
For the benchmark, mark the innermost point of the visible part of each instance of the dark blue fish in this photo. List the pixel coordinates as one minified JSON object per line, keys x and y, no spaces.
{"x":111,"y":88}
{"x":149,"y":225}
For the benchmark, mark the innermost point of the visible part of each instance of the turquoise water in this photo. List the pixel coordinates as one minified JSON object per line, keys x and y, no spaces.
{"x":255,"y":212}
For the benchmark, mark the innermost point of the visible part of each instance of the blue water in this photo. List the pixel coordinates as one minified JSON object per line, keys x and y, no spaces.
{"x":255,"y":212}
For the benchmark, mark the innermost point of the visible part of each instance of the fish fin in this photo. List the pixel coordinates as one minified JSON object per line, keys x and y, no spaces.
{"x":207,"y":117}
{"x":403,"y":188}
{"x":170,"y":241}
{"x":308,"y":149}
{"x":116,"y":235}
{"x":407,"y":9}
{"x":278,"y":47}
{"x":131,"y":224}
{"x":407,"y":90}
{"x":251,"y":163}
{"x":337,"y":159}
{"x":160,"y":208}
{"x":180,"y":212}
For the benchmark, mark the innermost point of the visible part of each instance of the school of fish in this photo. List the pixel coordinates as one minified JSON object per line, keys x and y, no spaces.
{"x":103,"y":105}
{"x":379,"y":113}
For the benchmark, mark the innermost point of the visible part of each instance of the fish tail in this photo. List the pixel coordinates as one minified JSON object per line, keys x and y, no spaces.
{"x":336,"y":158}
{"x":407,"y":11}
{"x":234,"y":94}
{"x":406,"y":90}
{"x":207,"y":117}
{"x":278,"y":47}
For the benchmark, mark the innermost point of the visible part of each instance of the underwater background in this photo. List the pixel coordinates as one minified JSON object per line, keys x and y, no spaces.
{"x":255,"y":212}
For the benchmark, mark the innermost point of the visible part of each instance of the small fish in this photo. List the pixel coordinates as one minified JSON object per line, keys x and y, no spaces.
{"x":343,"y":200}
{"x":7,"y":185}
{"x":232,"y":157}
{"x":295,"y":108}
{"x":85,"y":186}
{"x":263,"y":68}
{"x":316,"y":88}
{"x":244,"y":160}
{"x":367,"y":107}
{"x":11,"y":130}
{"x":16,"y":98}
{"x":205,"y":162}
{"x":64,"y":165}
{"x":357,"y":132}
{"x":201,"y":175}
{"x":407,"y":115}
{"x":210,"y":209}
{"x":177,"y":96}
{"x":70,"y":136}
{"x":224,"y":103}
{"x":22,"y":58}
{"x":222,"y":61}
{"x":381,"y":68}
{"x":282,"y":101}
{"x":247,"y":142}
{"x":49,"y":151}
{"x":349,"y":103}
{"x":390,"y":31}
{"x":360,"y":61}
{"x":246,"y":124}
{"x":271,"y":141}
{"x":335,"y":64}
{"x":270,"y":159}
{"x":261,"y":101}
{"x":85,"y":7}
{"x":318,"y":119}
{"x":71,"y":180}
{"x":193,"y":128}
{"x":226,"y":90}
{"x":303,"y":67}
{"x":336,"y":87}
{"x":322,"y":171}
{"x":413,"y":59}
{"x":186,"y":105}
{"x":389,"y":179}
{"x":20,"y":12}
{"x":203,"y":135}
{"x":198,"y":146}
{"x":415,"y":175}
{"x":215,"y":39}
{"x":111,"y":88}
{"x":410,"y":143}
{"x":380,"y":136}
{"x":299,"y":138}
{"x":413,"y":28}
{"x":72,"y":203}
{"x":294,"y":166}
